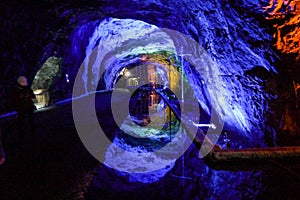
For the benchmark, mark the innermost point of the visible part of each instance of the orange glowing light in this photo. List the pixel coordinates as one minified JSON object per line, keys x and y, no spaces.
{"x":288,"y":11}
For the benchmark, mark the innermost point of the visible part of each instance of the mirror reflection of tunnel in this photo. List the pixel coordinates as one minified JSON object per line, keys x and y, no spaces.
{"x":143,"y":81}
{"x":145,"y":101}
{"x":146,"y":107}
{"x":142,"y":100}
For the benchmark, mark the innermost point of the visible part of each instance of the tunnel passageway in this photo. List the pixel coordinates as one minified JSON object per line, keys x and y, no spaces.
{"x":58,"y":147}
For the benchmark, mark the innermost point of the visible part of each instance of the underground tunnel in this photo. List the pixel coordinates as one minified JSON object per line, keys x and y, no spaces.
{"x":162,"y":81}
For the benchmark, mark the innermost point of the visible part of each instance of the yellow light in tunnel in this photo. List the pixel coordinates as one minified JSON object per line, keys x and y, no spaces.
{"x":127,"y":74}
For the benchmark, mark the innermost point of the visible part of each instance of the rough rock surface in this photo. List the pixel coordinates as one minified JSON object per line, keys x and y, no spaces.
{"x":231,"y":32}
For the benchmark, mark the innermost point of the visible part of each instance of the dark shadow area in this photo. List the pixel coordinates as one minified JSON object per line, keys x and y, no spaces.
{"x":53,"y":165}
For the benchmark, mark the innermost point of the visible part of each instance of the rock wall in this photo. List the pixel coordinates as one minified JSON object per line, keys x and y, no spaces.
{"x":235,"y":34}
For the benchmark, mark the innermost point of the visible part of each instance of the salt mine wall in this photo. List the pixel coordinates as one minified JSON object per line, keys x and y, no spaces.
{"x":253,"y":44}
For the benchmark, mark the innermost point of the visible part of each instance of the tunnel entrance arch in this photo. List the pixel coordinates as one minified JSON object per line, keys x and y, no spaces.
{"x":115,"y":44}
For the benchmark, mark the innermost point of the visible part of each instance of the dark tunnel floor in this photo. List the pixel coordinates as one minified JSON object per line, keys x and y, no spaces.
{"x":57,"y":166}
{"x":52,"y":166}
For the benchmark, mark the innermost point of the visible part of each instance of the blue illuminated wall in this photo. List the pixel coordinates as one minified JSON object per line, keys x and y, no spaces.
{"x":231,"y":32}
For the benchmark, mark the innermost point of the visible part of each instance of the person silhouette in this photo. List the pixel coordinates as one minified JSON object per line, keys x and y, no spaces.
{"x":22,"y":98}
